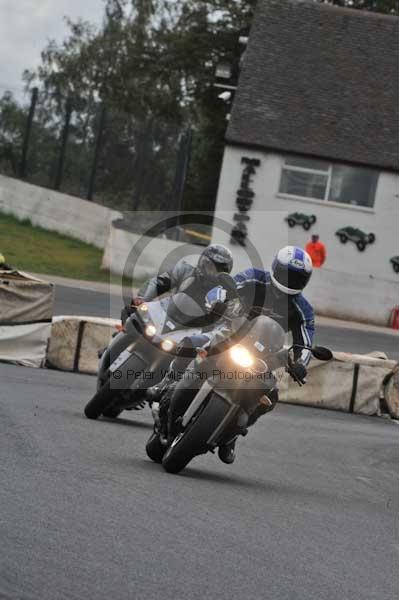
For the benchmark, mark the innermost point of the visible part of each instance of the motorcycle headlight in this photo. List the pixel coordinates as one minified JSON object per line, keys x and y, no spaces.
{"x":241,"y":356}
{"x":150,"y":330}
{"x":167,"y":345}
{"x":143,"y":313}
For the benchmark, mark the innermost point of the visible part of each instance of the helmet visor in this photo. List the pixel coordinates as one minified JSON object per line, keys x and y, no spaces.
{"x":291,"y":278}
{"x":222,"y":267}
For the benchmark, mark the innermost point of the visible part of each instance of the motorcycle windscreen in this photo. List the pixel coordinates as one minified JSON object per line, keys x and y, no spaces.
{"x":265,"y":335}
{"x":185,"y":311}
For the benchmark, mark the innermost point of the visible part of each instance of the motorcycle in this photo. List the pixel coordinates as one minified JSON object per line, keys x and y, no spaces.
{"x":139,"y":355}
{"x":222,"y":406}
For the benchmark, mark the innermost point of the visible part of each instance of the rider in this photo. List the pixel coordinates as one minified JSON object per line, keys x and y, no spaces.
{"x":194,"y":281}
{"x":279,"y":292}
{"x":3,"y":265}
{"x":183,"y":277}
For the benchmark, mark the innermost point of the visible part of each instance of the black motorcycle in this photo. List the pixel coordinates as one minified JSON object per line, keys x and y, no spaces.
{"x":237,"y":377}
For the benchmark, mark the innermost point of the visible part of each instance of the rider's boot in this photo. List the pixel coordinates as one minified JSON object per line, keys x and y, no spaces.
{"x":267,"y":404}
{"x":227,"y":453}
{"x":155,"y":392}
{"x":176,"y":367}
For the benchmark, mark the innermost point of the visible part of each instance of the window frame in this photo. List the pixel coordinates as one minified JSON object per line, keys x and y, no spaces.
{"x":325,"y":201}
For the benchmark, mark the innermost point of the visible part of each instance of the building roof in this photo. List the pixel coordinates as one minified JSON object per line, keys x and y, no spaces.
{"x":320,"y":80}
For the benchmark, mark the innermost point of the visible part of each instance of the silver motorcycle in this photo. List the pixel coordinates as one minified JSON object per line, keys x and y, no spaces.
{"x":139,"y":356}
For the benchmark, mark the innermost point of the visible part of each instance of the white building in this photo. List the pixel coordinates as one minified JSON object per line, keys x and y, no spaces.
{"x":314,"y":130}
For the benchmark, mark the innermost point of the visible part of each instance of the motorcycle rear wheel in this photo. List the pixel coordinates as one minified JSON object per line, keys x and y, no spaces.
{"x":193,"y":440}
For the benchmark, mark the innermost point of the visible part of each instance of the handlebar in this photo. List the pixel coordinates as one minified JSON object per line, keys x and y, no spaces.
{"x":318,"y":352}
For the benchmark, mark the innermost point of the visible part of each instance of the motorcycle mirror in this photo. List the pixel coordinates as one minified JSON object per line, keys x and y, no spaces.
{"x":226,"y":281}
{"x":322,"y":353}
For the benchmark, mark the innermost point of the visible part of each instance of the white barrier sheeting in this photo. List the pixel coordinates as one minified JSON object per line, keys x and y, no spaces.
{"x":26,"y":308}
{"x":391,"y":394}
{"x":24,"y":344}
{"x":340,"y":385}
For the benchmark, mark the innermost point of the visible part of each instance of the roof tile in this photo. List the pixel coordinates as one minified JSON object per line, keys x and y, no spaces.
{"x":322,"y":81}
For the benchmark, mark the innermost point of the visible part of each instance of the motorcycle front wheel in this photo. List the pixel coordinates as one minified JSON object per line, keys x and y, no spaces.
{"x":193,"y":440}
{"x":100,"y":401}
{"x":112,"y":412}
{"x":103,"y":401}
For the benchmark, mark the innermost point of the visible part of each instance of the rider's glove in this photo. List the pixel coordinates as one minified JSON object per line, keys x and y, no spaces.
{"x":215,"y":297}
{"x":298,"y":371}
{"x":137,"y":301}
{"x":128,"y":310}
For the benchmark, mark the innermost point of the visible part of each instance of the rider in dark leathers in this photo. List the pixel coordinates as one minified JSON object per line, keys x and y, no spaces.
{"x":194,"y":281}
{"x":278,"y":292}
{"x":183,"y":277}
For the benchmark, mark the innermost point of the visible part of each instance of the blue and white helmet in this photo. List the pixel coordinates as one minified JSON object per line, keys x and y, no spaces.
{"x":291,"y":270}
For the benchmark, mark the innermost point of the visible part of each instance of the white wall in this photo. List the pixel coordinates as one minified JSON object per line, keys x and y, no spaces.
{"x":147,"y":256}
{"x":51,"y":210}
{"x":353,"y":284}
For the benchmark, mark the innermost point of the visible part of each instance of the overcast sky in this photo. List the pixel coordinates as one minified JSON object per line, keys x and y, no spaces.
{"x":25,"y":27}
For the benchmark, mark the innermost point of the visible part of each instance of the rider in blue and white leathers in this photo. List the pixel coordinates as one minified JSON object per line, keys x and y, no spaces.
{"x":279,"y":293}
{"x":255,"y":287}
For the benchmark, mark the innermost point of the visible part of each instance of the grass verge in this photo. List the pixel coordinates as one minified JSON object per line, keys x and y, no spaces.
{"x":30,"y":248}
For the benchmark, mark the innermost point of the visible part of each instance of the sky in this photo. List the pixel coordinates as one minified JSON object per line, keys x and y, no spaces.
{"x":25,"y":27}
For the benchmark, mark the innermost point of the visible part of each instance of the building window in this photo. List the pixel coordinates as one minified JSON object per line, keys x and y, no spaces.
{"x":320,"y":180}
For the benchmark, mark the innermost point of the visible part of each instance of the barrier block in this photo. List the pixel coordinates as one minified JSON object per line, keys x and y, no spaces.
{"x":350,"y":382}
{"x":75,"y":342}
{"x":391,"y":393}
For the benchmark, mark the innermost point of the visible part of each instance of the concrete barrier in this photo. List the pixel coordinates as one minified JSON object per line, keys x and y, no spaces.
{"x":352,"y":297}
{"x":157,"y":255}
{"x":75,"y":342}
{"x":69,"y":215}
{"x":350,"y":382}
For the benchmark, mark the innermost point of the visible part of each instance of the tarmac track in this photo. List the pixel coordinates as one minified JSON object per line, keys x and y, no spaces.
{"x":74,"y":301}
{"x":309,"y":510}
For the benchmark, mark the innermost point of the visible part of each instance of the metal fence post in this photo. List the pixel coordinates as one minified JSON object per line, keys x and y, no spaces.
{"x":25,"y":148}
{"x":182,"y":166}
{"x":97,"y":151}
{"x":139,"y":169}
{"x":64,"y":140}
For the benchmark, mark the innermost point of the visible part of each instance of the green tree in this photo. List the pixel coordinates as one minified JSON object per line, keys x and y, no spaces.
{"x":116,"y":66}
{"x":11,"y":133}
{"x":13,"y":123}
{"x":383,"y":6}
{"x":152,"y":65}
{"x":205,"y":33}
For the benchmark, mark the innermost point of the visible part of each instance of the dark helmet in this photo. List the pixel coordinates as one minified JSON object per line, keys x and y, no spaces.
{"x":215,"y":259}
{"x":291,"y":270}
